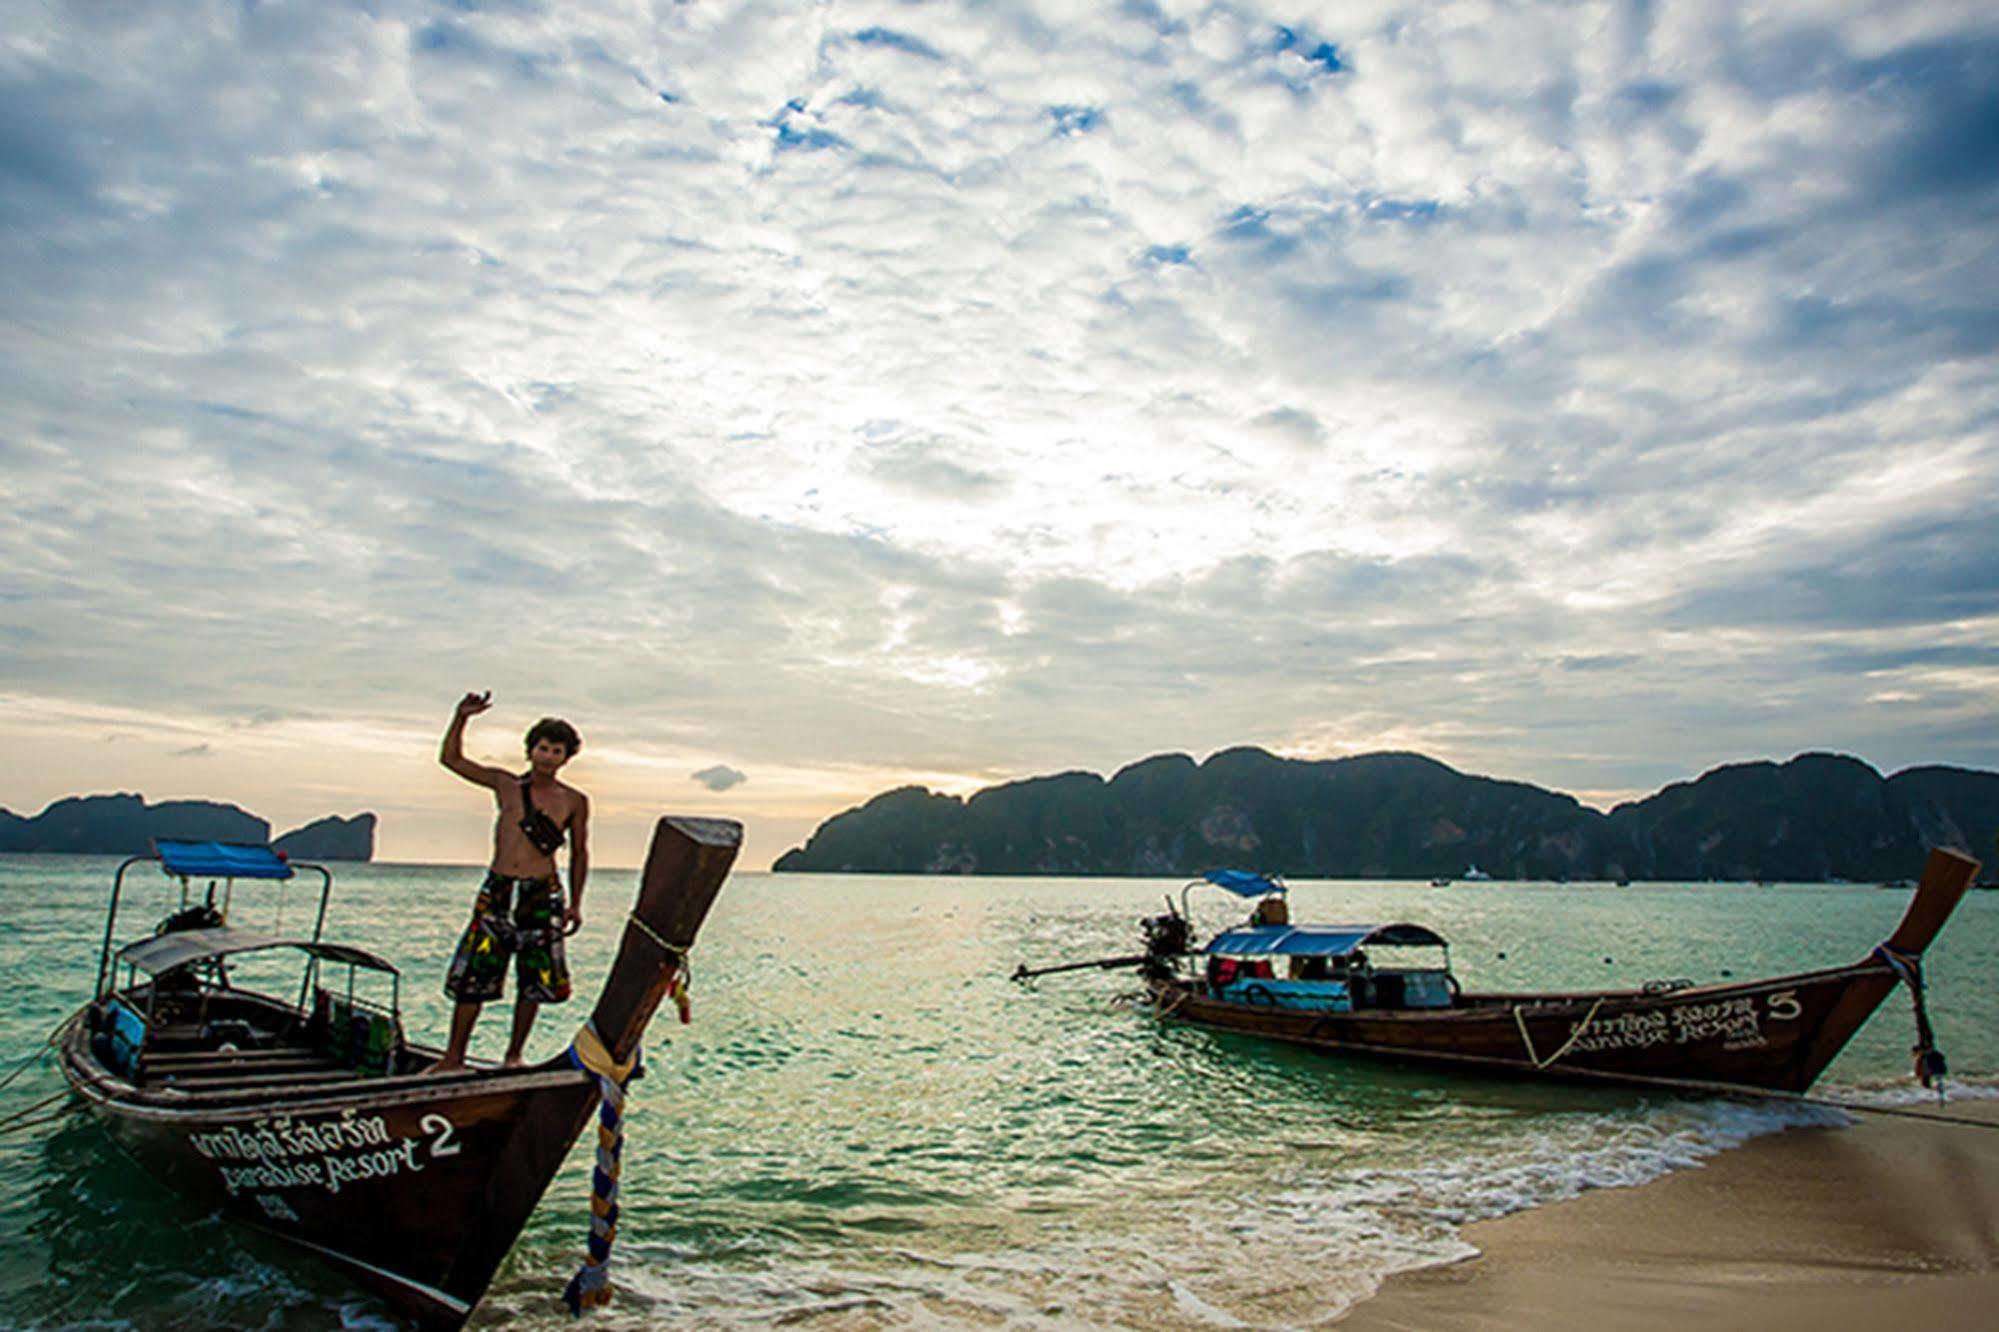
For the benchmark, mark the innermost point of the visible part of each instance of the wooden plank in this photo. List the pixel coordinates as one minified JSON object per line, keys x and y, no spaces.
{"x":263,"y":1081}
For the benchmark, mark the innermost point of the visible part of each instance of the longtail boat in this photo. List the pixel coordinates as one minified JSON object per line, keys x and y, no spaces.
{"x":308,"y":1115}
{"x":1387,"y":991}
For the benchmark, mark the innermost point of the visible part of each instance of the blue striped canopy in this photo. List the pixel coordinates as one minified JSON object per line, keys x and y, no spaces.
{"x":1317,"y":940}
{"x":221,"y":860}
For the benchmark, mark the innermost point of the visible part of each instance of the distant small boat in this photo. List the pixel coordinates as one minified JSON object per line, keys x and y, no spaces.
{"x":1387,"y":991}
{"x":1440,"y":883}
{"x":307,"y":1116}
{"x":1474,"y":874}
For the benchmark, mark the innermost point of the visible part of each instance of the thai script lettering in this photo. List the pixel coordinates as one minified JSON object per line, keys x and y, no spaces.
{"x":275,"y":1142}
{"x":328,"y":1154}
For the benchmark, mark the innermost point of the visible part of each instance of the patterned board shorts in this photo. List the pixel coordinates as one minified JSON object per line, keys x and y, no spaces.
{"x":521,"y":918}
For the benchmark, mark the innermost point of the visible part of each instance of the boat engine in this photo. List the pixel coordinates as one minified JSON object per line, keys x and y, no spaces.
{"x":1166,"y":937}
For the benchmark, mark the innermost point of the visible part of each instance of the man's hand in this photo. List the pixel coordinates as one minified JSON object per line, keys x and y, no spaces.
{"x":473,"y":704}
{"x":572,"y":919}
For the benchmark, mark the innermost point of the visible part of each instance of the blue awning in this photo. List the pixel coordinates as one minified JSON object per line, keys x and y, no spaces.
{"x":1242,"y":883}
{"x":1317,"y":940}
{"x":221,"y":860}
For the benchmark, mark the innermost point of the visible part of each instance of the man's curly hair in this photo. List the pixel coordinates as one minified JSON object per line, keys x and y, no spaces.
{"x":556,"y":729}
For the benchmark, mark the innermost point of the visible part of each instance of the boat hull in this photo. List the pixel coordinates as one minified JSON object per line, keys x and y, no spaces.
{"x":400,"y":1181}
{"x":1773,"y":1035}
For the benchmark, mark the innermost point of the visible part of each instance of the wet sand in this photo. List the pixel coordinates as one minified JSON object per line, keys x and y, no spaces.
{"x":1891,"y":1222}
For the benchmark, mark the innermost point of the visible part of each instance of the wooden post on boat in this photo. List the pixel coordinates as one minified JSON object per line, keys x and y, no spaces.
{"x":683,"y":873}
{"x":684,"y":870}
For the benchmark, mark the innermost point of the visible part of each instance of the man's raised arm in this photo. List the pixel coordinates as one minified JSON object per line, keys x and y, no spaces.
{"x":452,"y":754}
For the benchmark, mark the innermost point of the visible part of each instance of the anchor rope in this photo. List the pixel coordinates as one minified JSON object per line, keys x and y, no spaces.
{"x":590,"y":1288}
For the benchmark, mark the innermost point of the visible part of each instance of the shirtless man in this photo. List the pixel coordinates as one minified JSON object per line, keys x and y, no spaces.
{"x":519,"y":910}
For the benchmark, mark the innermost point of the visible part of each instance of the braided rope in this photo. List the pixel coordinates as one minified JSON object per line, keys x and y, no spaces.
{"x":590,"y":1288}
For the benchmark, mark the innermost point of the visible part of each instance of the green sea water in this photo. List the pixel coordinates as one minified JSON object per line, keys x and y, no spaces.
{"x":867,"y":1126}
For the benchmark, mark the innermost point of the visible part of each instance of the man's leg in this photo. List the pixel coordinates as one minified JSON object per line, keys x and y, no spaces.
{"x":525,"y":1010}
{"x":462,"y":1019}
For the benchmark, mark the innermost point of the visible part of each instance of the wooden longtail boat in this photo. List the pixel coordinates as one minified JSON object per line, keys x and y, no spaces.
{"x":307,"y":1116}
{"x":1318,"y":986}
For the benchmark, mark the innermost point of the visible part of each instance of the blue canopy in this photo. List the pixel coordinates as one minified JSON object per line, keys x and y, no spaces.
{"x":221,"y":860}
{"x":1242,"y":883}
{"x":1318,"y":940}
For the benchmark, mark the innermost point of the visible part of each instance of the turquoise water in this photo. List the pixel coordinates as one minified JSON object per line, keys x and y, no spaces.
{"x":868,"y":1126}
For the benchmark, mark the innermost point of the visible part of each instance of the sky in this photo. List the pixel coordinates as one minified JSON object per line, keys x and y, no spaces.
{"x":807,"y":399}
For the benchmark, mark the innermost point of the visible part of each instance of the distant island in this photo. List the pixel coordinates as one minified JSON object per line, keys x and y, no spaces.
{"x":125,"y":825}
{"x":1400,"y":816}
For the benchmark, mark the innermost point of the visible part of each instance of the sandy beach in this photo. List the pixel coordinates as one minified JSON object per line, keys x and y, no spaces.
{"x":1890,"y":1222}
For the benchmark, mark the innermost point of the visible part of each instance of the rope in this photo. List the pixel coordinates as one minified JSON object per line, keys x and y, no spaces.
{"x":1574,"y":1036}
{"x":677,"y":950}
{"x":33,"y":1055}
{"x":676,"y":988}
{"x":590,"y":1288}
{"x":1930,"y":1063}
{"x":15,"y":1122}
{"x":22,"y":1126}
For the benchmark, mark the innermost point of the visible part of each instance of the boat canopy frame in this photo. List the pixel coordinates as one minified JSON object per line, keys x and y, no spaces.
{"x":178,"y":948}
{"x":218,"y":862}
{"x":173,"y":950}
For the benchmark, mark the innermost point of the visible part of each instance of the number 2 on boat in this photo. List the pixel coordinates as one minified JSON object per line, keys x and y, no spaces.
{"x":441,"y":1145}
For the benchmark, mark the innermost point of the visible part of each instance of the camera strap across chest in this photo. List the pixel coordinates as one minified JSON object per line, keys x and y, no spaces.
{"x":539,"y":828}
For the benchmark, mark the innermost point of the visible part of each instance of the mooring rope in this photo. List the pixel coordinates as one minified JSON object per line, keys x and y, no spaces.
{"x":590,"y":1288}
{"x":19,"y":1121}
{"x":28,"y":1062}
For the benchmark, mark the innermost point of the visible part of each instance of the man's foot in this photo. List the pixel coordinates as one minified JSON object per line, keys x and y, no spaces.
{"x":446,"y":1065}
{"x":513,"y":1061}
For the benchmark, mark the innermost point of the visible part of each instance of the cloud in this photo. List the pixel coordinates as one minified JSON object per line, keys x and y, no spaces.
{"x":203,"y":750}
{"x":720,"y":777}
{"x":989,"y":391}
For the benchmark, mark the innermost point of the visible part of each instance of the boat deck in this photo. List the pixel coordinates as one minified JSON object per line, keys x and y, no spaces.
{"x":220,"y":1040}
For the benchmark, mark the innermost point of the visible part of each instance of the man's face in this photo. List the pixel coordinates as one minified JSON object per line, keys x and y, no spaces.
{"x":548,"y":755}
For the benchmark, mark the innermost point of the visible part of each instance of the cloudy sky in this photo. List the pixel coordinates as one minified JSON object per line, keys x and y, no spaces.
{"x":809,"y":398}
